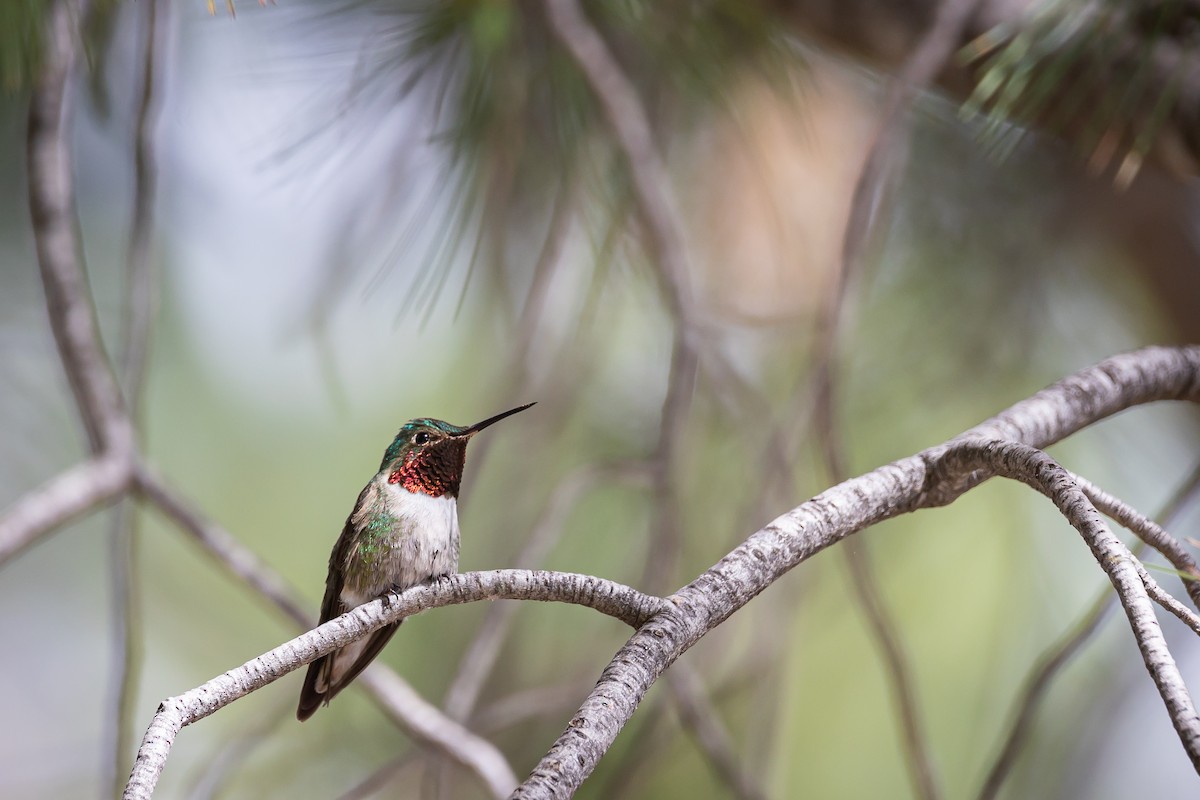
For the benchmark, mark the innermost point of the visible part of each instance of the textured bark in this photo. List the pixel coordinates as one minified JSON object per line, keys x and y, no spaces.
{"x":613,"y":599}
{"x":921,"y":481}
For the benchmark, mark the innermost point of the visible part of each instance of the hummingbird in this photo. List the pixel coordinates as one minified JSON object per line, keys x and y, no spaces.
{"x":403,"y":531}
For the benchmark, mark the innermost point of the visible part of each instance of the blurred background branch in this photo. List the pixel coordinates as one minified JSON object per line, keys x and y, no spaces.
{"x":141,"y":302}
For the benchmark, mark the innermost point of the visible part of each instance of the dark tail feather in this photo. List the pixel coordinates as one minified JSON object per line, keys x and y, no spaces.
{"x":311,"y":699}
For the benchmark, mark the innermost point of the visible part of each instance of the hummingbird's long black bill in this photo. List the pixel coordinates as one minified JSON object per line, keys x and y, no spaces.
{"x":478,"y":426}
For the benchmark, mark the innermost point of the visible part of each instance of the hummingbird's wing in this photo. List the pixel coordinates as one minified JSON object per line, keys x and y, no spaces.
{"x":332,"y":672}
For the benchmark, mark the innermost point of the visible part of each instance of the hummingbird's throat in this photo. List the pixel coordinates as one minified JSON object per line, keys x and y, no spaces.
{"x":435,"y":472}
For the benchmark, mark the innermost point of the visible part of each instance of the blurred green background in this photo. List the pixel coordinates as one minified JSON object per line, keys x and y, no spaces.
{"x":316,"y":239}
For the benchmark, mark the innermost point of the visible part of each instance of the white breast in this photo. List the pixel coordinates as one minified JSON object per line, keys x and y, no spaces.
{"x":426,"y":548}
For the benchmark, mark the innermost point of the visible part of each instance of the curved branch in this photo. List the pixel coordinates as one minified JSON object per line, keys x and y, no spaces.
{"x":630,"y":125}
{"x":220,"y":544}
{"x":614,"y":599}
{"x":697,"y":713}
{"x":1149,"y":532}
{"x":903,"y":486}
{"x":1054,"y":659}
{"x":55,"y":230}
{"x":430,"y":726}
{"x":396,"y":698}
{"x":667,"y":245}
{"x":1038,"y":470}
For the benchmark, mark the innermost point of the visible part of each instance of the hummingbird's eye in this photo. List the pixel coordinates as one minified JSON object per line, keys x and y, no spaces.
{"x":421,"y":438}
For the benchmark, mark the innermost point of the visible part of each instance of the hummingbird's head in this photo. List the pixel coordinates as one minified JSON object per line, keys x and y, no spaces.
{"x":428,"y":455}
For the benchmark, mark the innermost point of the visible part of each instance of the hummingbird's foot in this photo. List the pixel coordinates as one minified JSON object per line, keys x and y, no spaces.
{"x":391,"y":594}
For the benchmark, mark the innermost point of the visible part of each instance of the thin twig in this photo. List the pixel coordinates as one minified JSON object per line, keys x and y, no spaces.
{"x":381,"y":777}
{"x":140,"y":275}
{"x":513,"y":709}
{"x":426,"y":723}
{"x":68,"y":495}
{"x":666,"y":538}
{"x":698,"y":715}
{"x":537,"y":701}
{"x":639,"y":750}
{"x":219,"y":543}
{"x":1037,"y":684}
{"x":667,"y":245}
{"x":125,"y":648}
{"x":1058,"y":655}
{"x":927,"y":59}
{"x":1034,"y":468}
{"x":236,"y":750}
{"x":480,"y":657}
{"x":547,"y":267}
{"x":903,"y":690}
{"x":931,"y":53}
{"x":625,"y":115}
{"x":55,"y":227}
{"x":1148,"y":531}
{"x":141,"y":295}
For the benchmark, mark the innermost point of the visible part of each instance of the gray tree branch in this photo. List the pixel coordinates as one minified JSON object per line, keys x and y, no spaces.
{"x":1033,"y":467}
{"x":920,"y":481}
{"x":68,"y":495}
{"x":52,"y":210}
{"x":1058,"y":655}
{"x":616,"y":600}
{"x":1148,"y":531}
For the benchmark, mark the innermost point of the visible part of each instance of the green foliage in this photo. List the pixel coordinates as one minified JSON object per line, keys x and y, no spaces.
{"x":1084,"y":69}
{"x":22,"y":24}
{"x":518,"y":117}
{"x":20,"y":42}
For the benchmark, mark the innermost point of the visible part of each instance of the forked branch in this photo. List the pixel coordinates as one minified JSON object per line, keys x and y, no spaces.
{"x":921,"y":481}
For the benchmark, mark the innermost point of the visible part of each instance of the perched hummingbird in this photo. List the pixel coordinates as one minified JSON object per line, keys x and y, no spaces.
{"x":403,"y":531}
